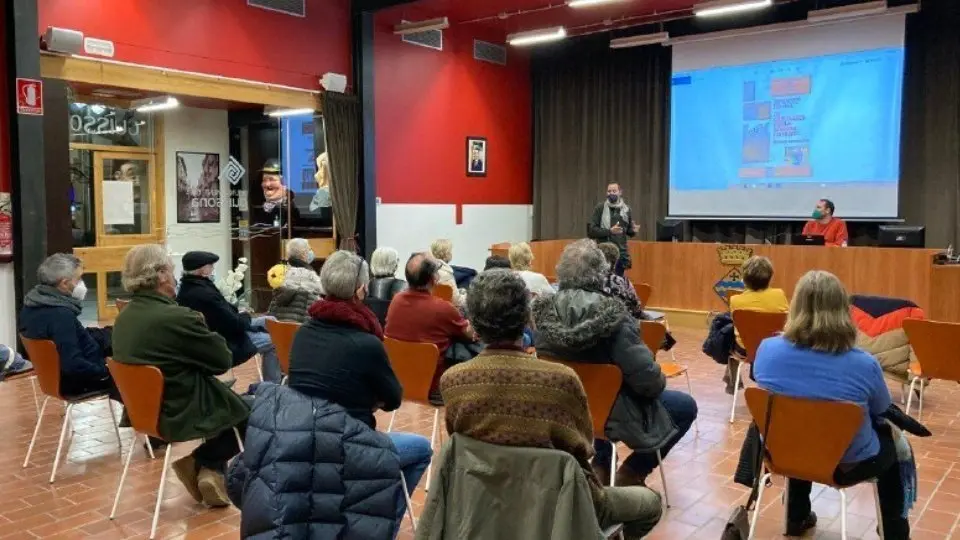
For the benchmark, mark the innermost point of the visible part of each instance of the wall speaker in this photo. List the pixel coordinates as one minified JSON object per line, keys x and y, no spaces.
{"x":334,"y":82}
{"x":62,"y":40}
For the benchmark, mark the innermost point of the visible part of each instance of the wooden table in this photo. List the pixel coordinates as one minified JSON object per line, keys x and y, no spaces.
{"x":683,"y":274}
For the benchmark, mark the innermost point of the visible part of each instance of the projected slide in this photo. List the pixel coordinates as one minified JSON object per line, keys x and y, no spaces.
{"x":769,"y":139}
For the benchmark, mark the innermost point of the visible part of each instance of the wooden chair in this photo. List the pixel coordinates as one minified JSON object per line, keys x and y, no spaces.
{"x":281,"y":333}
{"x":753,"y":327}
{"x":653,"y":333}
{"x":415,"y":365}
{"x":46,"y":363}
{"x":934,"y":343}
{"x":141,"y":387}
{"x":806,"y":440}
{"x":443,"y":292}
{"x":644,"y":292}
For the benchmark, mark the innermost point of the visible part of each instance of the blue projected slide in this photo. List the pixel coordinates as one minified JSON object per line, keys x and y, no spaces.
{"x":828,"y":125}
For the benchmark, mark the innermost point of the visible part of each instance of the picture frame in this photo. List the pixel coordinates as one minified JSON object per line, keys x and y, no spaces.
{"x":476,"y":156}
{"x":198,"y":187}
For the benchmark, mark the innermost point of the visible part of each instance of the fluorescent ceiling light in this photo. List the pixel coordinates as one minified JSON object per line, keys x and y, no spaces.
{"x":589,"y":3}
{"x":404,"y":28}
{"x":161,"y":103}
{"x":847,"y":12}
{"x":537,"y":36}
{"x":277,"y":112}
{"x":640,"y":40}
{"x":727,"y":7}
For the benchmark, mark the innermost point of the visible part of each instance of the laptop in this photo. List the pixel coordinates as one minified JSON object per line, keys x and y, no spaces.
{"x":808,"y":240}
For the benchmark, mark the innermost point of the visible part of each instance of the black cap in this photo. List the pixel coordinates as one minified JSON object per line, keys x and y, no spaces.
{"x":271,"y":166}
{"x":195,"y":260}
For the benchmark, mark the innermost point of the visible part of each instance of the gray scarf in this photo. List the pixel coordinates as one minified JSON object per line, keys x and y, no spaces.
{"x":607,"y":205}
{"x":47,"y":296}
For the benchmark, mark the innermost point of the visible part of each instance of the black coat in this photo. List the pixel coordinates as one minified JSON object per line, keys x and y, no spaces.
{"x":80,"y":354}
{"x":201,"y":295}
{"x":310,"y":471}
{"x":720,"y":339}
{"x":596,"y":230}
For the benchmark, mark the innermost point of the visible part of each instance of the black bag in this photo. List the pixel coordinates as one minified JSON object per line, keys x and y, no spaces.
{"x":738,"y":525}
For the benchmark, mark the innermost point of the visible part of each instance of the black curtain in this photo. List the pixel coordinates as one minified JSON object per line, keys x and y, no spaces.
{"x":342,"y":116}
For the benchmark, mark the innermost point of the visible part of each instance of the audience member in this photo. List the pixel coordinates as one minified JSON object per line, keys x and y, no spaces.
{"x":50,"y":311}
{"x":385,"y":284}
{"x":301,"y":255}
{"x":245,"y":336}
{"x":507,"y":397}
{"x":816,"y":358}
{"x":619,"y":287}
{"x":580,"y":324}
{"x":442,"y":250}
{"x":153,"y":330}
{"x":301,"y":285}
{"x":496,"y":261}
{"x":339,"y":356}
{"x":415,"y":315}
{"x":521,"y":256}
{"x":757,"y":272}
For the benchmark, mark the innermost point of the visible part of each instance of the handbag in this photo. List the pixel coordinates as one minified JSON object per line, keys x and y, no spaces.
{"x":738,"y":525}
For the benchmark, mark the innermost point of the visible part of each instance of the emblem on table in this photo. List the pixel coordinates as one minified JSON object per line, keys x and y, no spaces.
{"x":732,"y":257}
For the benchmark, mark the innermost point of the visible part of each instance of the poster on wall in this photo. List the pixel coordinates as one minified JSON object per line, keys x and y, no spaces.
{"x":476,"y":156}
{"x":198,"y":187}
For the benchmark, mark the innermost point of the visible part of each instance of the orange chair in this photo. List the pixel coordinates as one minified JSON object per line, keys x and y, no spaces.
{"x":46,"y":363}
{"x":934,"y":344}
{"x":141,"y":387}
{"x":281,"y":333}
{"x":443,"y":292}
{"x":806,"y":440}
{"x":753,"y":327}
{"x":415,"y":365}
{"x":644,"y":292}
{"x":653,"y":333}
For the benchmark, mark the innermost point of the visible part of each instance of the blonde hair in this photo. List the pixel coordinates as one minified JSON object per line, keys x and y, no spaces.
{"x":520,"y":256}
{"x":442,"y":249}
{"x":819,"y":317}
{"x":757,"y":272}
{"x":142,"y":267}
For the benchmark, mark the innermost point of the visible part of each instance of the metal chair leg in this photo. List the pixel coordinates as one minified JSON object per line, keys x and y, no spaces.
{"x":433,"y":438}
{"x":36,"y":430}
{"x":922,"y":387}
{"x":36,"y":396}
{"x":696,"y":422}
{"x":393,"y":417}
{"x":116,"y":426}
{"x":736,"y":390}
{"x":663,"y":480}
{"x":913,"y":381}
{"x":163,"y":481}
{"x":756,"y":508}
{"x":843,"y":514}
{"x":406,"y":494}
{"x":258,"y":361}
{"x":876,"y":499}
{"x":236,"y":432}
{"x":63,"y":435}
{"x":613,"y":463}
{"x":123,"y":475}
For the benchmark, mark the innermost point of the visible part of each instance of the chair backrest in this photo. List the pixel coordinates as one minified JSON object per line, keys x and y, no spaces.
{"x":121,"y":303}
{"x":141,"y":387}
{"x":644,"y":291}
{"x":46,"y":363}
{"x":602,"y":385}
{"x":281,"y":334}
{"x":756,"y":326}
{"x":653,"y":334}
{"x":443,"y":292}
{"x":415,"y":365}
{"x":807,"y":437}
{"x":935,"y":344}
{"x":730,"y":293}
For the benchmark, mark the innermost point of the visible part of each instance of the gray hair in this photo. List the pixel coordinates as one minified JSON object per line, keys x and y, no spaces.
{"x":142,"y":267}
{"x":343,"y":273}
{"x":384,"y":261}
{"x":56,"y":268}
{"x":297,"y":248}
{"x":499,"y":306}
{"x":582,"y":266}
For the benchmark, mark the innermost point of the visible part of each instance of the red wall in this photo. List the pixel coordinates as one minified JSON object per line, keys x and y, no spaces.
{"x":221,"y":37}
{"x":427,"y":102}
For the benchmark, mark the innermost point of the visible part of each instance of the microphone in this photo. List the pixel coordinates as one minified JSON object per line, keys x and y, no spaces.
{"x":775,"y":237}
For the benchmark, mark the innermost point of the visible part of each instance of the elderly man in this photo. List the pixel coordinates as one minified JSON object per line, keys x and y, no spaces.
{"x":50,"y":311}
{"x":581,"y":324}
{"x":245,"y":336}
{"x":153,"y":330}
{"x":507,"y":397}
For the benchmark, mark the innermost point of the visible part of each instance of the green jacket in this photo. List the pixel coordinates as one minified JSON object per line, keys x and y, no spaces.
{"x":489,"y":492}
{"x":154,"y":330}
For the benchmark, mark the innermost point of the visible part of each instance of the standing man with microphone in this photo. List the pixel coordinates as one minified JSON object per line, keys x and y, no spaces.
{"x":612,"y":222}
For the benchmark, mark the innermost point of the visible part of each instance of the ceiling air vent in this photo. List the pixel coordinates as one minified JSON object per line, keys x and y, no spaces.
{"x":485,"y":51}
{"x":297,"y":8}
{"x":432,"y":39}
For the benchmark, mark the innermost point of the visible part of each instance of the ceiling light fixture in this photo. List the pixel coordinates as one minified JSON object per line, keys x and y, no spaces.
{"x":589,"y":3}
{"x":404,"y":28}
{"x":279,"y":112}
{"x":534,"y":37}
{"x":847,"y":12}
{"x":153,"y":104}
{"x":640,"y":40}
{"x":728,"y":7}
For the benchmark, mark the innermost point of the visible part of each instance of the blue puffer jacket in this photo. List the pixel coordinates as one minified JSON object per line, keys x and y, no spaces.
{"x":311,"y":471}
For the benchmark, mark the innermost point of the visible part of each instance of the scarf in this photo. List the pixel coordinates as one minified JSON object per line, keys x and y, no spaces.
{"x":346,"y":313}
{"x":48,"y":296}
{"x":607,"y":205}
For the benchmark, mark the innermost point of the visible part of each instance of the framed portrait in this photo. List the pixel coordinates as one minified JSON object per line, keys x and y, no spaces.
{"x":476,"y":156}
{"x":198,"y":187}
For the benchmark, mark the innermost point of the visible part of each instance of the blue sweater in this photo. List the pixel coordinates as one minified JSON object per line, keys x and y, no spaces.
{"x":854,"y":376}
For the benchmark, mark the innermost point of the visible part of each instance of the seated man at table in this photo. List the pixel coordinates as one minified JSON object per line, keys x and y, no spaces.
{"x":832,"y":229}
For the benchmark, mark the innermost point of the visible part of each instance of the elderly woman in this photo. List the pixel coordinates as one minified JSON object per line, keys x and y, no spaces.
{"x":153,"y":330}
{"x":581,"y":324}
{"x":442,"y":251}
{"x":385,"y":284}
{"x":815,"y":358}
{"x":619,"y":287}
{"x":521,"y":257}
{"x":50,"y":311}
{"x":301,"y":285}
{"x":339,"y":356}
{"x":507,"y":397}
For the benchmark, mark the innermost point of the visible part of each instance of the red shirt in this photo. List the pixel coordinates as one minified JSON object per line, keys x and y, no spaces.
{"x":834,"y":232}
{"x":419,"y":316}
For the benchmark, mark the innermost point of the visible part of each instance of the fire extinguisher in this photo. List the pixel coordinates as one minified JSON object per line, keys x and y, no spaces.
{"x":6,"y":229}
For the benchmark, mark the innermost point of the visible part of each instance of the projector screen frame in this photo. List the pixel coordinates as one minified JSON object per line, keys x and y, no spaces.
{"x":784,"y":219}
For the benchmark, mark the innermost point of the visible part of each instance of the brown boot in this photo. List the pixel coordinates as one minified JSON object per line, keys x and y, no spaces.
{"x":186,"y":470}
{"x":213,"y":488}
{"x":603,"y":473}
{"x":627,"y":477}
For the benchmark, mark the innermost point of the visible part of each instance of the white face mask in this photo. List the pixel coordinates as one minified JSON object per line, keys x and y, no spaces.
{"x":79,"y":291}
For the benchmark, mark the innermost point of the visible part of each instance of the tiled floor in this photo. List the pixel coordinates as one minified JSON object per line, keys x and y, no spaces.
{"x":699,"y":473}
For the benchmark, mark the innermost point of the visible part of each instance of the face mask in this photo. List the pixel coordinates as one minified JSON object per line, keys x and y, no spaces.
{"x":212,"y":277}
{"x":80,"y":291}
{"x":612,"y":198}
{"x":817,"y":214}
{"x":311,"y":256}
